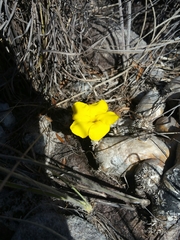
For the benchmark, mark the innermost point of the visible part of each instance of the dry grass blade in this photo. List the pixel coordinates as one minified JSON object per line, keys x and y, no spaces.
{"x":47,"y":190}
{"x":79,"y":183}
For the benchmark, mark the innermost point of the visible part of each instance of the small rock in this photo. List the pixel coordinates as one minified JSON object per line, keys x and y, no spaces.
{"x":81,"y":229}
{"x":157,"y":73}
{"x":6,"y":116}
{"x":49,"y":224}
{"x":115,"y":155}
{"x":166,"y":124}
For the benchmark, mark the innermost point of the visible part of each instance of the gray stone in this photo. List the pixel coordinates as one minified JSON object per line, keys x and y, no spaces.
{"x":36,"y":140}
{"x":157,"y":73}
{"x":49,"y":225}
{"x":81,"y":229}
{"x":43,"y":226}
{"x":6,"y":116}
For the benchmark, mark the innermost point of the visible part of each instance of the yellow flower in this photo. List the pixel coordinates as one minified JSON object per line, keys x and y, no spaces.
{"x":92,"y":120}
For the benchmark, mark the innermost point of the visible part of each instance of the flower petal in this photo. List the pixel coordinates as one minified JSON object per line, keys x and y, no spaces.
{"x":80,"y":110}
{"x":87,"y":112}
{"x":93,"y":119}
{"x":98,"y":130}
{"x":98,"y":108}
{"x":81,"y":129}
{"x":107,"y":118}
